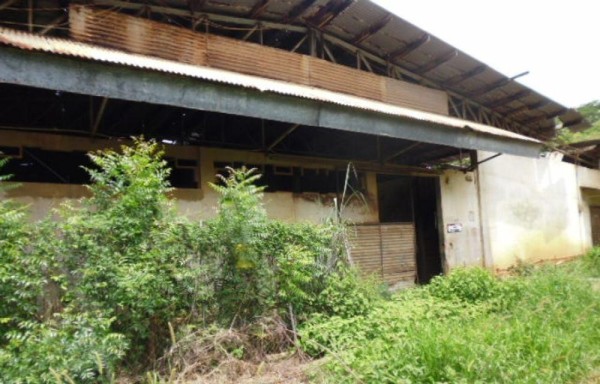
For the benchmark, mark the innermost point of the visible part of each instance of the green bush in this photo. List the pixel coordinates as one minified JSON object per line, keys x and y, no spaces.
{"x":21,"y":277}
{"x":550,"y":333}
{"x":121,"y":251}
{"x":68,"y":348}
{"x":471,"y":285}
{"x":346,"y":294}
{"x":591,"y":262}
{"x":120,"y":267}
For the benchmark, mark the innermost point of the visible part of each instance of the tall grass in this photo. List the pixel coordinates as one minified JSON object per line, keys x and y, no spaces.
{"x":471,"y":328}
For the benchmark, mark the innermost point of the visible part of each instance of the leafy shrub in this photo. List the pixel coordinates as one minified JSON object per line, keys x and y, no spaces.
{"x":550,"y":334}
{"x":476,"y":286}
{"x":121,"y":268}
{"x":346,"y":294}
{"x":121,"y":252}
{"x":68,"y":348}
{"x":591,"y":262}
{"x":245,"y":281}
{"x":396,"y":317}
{"x":21,"y":280}
{"x":471,"y":285}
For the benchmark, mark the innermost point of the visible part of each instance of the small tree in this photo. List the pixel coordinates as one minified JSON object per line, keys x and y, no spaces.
{"x":245,"y":286}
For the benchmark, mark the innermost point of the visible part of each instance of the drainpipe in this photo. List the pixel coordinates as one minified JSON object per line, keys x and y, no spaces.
{"x":486,"y":257}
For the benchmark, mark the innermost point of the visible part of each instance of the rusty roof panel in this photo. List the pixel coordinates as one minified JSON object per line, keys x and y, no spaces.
{"x":137,"y":35}
{"x":327,"y":75}
{"x":134,"y":34}
{"x":238,"y":56}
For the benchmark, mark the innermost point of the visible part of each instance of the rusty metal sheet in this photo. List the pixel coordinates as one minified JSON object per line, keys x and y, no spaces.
{"x":398,"y":250}
{"x":147,"y":37}
{"x":366,"y":249}
{"x":255,"y":59}
{"x":414,"y":96}
{"x":136,"y":35}
{"x":386,"y":251}
{"x":324,"y":74}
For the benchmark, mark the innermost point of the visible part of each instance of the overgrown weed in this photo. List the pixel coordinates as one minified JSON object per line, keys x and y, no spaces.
{"x":470,"y":327}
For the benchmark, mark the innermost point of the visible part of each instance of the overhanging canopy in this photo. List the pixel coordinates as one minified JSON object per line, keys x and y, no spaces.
{"x":96,"y":71}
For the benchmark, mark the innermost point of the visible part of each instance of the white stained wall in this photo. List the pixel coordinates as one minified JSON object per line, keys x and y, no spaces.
{"x":517,"y":209}
{"x":460,"y":208}
{"x":532,"y":209}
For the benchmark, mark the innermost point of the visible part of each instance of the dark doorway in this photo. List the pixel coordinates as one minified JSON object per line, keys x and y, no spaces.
{"x":425,"y":200}
{"x":595,"y":215}
{"x":414,"y":199}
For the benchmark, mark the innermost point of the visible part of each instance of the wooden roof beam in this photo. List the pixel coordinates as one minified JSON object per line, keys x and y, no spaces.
{"x":402,"y":151}
{"x":372,"y":30}
{"x":488,"y":88}
{"x":433,"y":64}
{"x":298,"y":10}
{"x":196,"y":5}
{"x":7,"y":4}
{"x":495,"y":85}
{"x":464,"y":76}
{"x":410,"y":47}
{"x":426,"y":156}
{"x":528,"y":107}
{"x":508,"y":99}
{"x":259,"y":8}
{"x":571,"y":123}
{"x":535,"y":119}
{"x":329,"y":12}
{"x":544,"y":116}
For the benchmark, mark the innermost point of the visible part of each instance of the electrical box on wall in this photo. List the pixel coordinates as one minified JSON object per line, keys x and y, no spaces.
{"x":454,"y":228}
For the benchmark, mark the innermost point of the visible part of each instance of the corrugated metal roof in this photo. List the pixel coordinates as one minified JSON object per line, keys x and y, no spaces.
{"x":387,"y":34}
{"x":65,"y":47}
{"x":364,"y":25}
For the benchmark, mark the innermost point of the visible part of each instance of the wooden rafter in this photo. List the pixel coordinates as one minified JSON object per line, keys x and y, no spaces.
{"x":53,"y":24}
{"x":289,"y":131}
{"x":534,"y":119}
{"x":99,"y":116}
{"x":196,"y":5}
{"x":410,"y":47}
{"x":433,"y":64}
{"x":495,"y":85}
{"x":508,"y":99}
{"x":464,"y":76}
{"x":329,"y":12}
{"x":259,"y":8}
{"x":7,"y":4}
{"x":372,"y":30}
{"x":298,"y":10}
{"x":488,"y":88}
{"x":402,"y":151}
{"x":528,"y":107}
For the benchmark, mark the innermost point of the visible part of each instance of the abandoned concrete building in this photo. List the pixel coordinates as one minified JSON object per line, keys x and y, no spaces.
{"x":448,"y":152}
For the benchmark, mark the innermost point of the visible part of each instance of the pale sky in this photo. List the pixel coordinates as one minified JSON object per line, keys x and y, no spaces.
{"x":557,"y":41}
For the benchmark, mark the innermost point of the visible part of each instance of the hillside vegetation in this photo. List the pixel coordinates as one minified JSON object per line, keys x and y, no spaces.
{"x":591,"y":111}
{"x":540,"y":326}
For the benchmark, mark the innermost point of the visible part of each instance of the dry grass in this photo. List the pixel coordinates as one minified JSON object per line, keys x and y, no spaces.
{"x":260,"y":352}
{"x":275,"y":369}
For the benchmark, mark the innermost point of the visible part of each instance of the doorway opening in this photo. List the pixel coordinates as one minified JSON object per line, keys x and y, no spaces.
{"x":408,"y":199}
